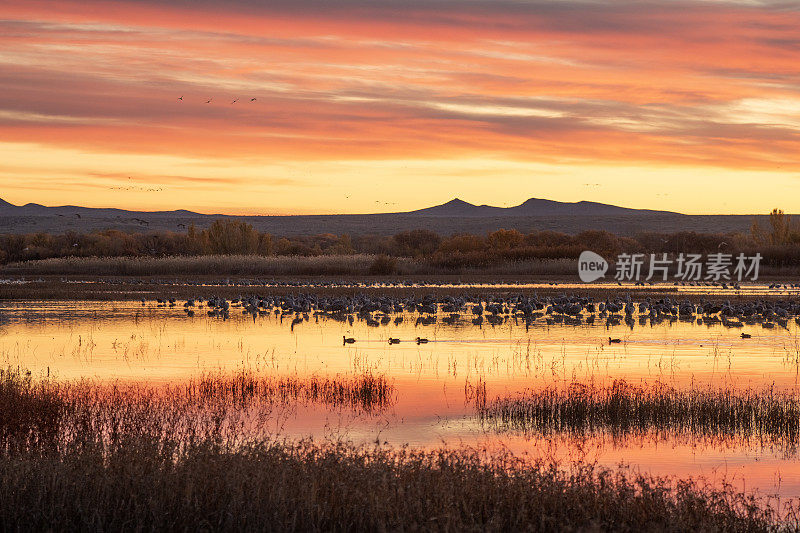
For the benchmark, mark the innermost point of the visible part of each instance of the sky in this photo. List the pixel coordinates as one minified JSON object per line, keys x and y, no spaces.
{"x":358,"y":106}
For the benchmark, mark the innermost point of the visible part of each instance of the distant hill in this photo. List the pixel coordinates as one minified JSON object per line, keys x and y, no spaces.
{"x":32,"y":209}
{"x":455,"y":216}
{"x":529,"y":208}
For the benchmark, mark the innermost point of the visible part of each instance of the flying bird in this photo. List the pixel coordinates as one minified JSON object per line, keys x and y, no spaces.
{"x":235,"y":100}
{"x":209,"y":100}
{"x":252,"y":99}
{"x":181,"y":98}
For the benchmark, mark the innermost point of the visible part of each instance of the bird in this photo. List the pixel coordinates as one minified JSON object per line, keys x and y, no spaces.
{"x":614,"y":341}
{"x":235,"y":100}
{"x":394,"y":341}
{"x":180,"y":98}
{"x":746,"y":335}
{"x":421,"y":340}
{"x":209,"y":100}
{"x":252,"y":99}
{"x":347,"y":340}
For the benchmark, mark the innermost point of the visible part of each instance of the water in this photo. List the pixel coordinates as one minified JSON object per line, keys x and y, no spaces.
{"x":130,"y":342}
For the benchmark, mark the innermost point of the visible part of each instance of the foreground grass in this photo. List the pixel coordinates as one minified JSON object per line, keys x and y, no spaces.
{"x":308,"y":486}
{"x":77,"y":457}
{"x":623,"y":409}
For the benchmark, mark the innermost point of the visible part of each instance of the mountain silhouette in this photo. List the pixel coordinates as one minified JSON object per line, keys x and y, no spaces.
{"x":530,"y":207}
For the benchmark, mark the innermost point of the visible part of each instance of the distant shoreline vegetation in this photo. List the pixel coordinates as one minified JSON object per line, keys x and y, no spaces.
{"x":430,"y":252}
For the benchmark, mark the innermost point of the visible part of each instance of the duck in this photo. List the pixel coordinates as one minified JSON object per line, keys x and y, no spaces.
{"x":420,"y":340}
{"x":394,"y":341}
{"x":614,"y":341}
{"x":347,"y":340}
{"x":746,"y":335}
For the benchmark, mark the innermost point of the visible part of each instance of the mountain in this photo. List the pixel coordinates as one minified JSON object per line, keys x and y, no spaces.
{"x":529,"y":208}
{"x":38,"y":210}
{"x":455,"y":208}
{"x":456,"y":216}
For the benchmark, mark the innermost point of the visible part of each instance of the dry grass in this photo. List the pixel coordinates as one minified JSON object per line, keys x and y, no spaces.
{"x":364,"y":393}
{"x":257,"y":265}
{"x":234,"y":265}
{"x":138,"y":458}
{"x":315,"y":487}
{"x":223,"y":408}
{"x":622,"y":409}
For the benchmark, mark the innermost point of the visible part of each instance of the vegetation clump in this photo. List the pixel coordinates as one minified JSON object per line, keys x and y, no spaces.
{"x":623,"y":408}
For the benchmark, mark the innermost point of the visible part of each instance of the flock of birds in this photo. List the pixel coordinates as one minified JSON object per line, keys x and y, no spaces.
{"x":529,"y":310}
{"x":333,"y":283}
{"x":180,"y":99}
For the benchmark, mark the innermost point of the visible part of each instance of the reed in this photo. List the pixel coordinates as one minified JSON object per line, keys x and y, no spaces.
{"x":136,"y":457}
{"x":244,"y":265}
{"x":623,"y":408}
{"x":364,"y":392}
{"x":313,"y":487}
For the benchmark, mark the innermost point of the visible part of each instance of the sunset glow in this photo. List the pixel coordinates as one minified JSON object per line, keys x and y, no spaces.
{"x":358,"y":107}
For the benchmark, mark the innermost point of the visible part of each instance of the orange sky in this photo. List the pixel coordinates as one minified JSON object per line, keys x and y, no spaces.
{"x":365,"y":105}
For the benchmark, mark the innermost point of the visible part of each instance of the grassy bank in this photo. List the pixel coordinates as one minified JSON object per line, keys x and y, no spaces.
{"x":256,"y":265}
{"x":87,"y":456}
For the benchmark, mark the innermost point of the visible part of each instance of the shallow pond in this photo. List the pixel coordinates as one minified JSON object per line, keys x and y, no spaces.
{"x":434,"y":381}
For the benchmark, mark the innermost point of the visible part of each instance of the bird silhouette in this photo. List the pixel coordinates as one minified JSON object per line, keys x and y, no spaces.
{"x":252,"y":99}
{"x":235,"y":100}
{"x":209,"y":100}
{"x":181,"y":98}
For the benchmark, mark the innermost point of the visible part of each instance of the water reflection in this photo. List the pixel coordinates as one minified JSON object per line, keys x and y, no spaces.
{"x":431,"y":381}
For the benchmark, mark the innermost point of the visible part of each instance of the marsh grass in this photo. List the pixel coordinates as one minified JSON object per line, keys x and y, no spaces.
{"x":624,"y":409}
{"x":289,"y":265}
{"x":43,"y":414}
{"x":151,"y":458}
{"x":309,"y":486}
{"x":361,"y":393}
{"x":234,"y":265}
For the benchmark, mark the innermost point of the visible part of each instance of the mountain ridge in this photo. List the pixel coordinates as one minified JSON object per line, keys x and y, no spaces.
{"x":532,"y":207}
{"x":453,"y":208}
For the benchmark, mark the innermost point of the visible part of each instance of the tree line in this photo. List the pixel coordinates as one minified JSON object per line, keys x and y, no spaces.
{"x":778,"y":242}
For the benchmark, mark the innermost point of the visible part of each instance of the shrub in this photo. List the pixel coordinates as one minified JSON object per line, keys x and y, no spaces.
{"x":383,"y":265}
